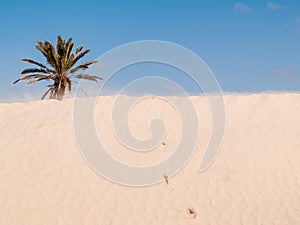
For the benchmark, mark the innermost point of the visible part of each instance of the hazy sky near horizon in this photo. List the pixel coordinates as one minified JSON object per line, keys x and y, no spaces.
{"x":251,"y":46}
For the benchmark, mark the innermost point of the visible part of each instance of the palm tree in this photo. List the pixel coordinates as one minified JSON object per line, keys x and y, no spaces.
{"x":61,"y":67}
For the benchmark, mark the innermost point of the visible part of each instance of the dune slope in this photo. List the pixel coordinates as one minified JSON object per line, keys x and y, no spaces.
{"x":254,"y":180}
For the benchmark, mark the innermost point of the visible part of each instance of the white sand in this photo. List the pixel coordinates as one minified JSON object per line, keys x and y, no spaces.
{"x":254,"y":180}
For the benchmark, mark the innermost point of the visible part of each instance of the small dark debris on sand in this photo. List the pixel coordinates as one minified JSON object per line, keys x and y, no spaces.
{"x":191,"y":212}
{"x":166,"y":179}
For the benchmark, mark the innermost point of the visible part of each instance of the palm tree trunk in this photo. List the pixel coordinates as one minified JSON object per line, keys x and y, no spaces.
{"x":61,"y":93}
{"x":59,"y":87}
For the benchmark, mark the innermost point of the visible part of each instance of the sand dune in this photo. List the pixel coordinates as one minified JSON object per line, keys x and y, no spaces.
{"x":254,"y":180}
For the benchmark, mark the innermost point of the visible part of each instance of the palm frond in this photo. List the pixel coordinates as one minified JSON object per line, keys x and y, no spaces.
{"x":43,"y":78}
{"x":43,"y":49}
{"x":79,"y":56}
{"x":79,"y":49}
{"x":69,"y":47}
{"x":38,"y":64}
{"x":83,"y":66}
{"x":24,"y":78}
{"x":60,"y":46}
{"x":51,"y":53}
{"x":34,"y":76}
{"x":69,"y":61}
{"x":88,"y":77}
{"x":48,"y":51}
{"x":30,"y":82}
{"x":33,"y":70}
{"x":34,"y":62}
{"x":46,"y":93}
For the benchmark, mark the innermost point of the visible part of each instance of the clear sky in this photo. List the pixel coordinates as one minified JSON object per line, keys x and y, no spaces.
{"x":251,"y":46}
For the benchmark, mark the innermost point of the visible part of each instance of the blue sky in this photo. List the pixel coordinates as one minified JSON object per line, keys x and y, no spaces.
{"x":251,"y":46}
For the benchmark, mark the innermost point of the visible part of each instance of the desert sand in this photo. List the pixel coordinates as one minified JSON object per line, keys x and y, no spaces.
{"x":254,"y":180}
